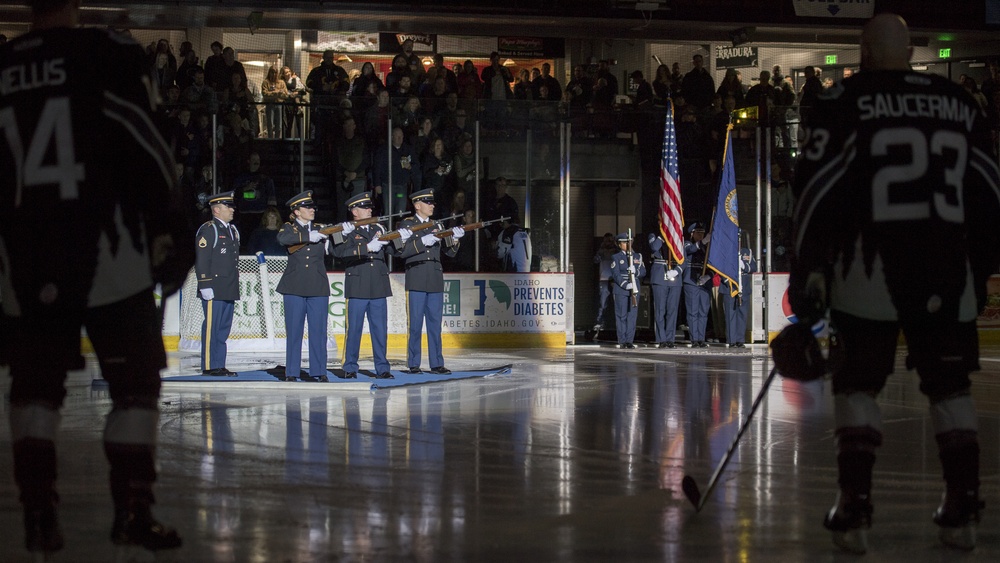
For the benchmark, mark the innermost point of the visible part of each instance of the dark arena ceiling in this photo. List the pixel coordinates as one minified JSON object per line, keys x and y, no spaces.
{"x":774,"y":21}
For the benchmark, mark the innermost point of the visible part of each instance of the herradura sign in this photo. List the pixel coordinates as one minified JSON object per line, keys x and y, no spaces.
{"x":735,"y":57}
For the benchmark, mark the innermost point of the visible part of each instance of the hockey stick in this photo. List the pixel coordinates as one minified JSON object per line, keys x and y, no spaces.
{"x":690,"y":487}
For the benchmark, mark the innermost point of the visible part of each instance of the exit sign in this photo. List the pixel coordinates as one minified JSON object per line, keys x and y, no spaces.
{"x":944,"y":53}
{"x":831,"y":59}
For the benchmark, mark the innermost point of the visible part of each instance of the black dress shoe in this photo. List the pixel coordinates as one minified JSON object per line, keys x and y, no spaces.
{"x":441,"y":370}
{"x":702,"y":344}
{"x":321,"y":379}
{"x":413,"y":370}
{"x":219,"y":372}
{"x":630,"y":346}
{"x":349,"y":375}
{"x":384,"y":375}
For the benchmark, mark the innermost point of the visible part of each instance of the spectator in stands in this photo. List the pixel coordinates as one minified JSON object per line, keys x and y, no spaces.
{"x":186,"y":47}
{"x":435,"y":92}
{"x":265,"y":237}
{"x":163,"y":46}
{"x":204,"y":133}
{"x":676,"y":79}
{"x":232,"y":66}
{"x":601,"y":105}
{"x":352,"y":161}
{"x":453,"y":134}
{"x":546,"y":78}
{"x":811,"y":89}
{"x":183,"y":77}
{"x":470,"y":87}
{"x":183,"y":139}
{"x":367,"y":79}
{"x":424,"y":136}
{"x":437,"y":170}
{"x":239,"y":99}
{"x":465,"y":258}
{"x":275,"y":93}
{"x":580,"y":90}
{"x":604,"y":71}
{"x":465,"y":168}
{"x":776,"y":76}
{"x":496,"y":91}
{"x":762,"y":95}
{"x":163,"y":75}
{"x":445,"y":115}
{"x":402,"y":90}
{"x":400,"y":68}
{"x":377,"y":119}
{"x":234,"y":142}
{"x":199,"y":97}
{"x":661,"y":86}
{"x":450,"y":78}
{"x":643,"y":91}
{"x":254,"y":192}
{"x":296,"y":91}
{"x":524,"y":93}
{"x":328,"y":83}
{"x":731,"y":86}
{"x":414,"y":63}
{"x":970,"y":85}
{"x":544,"y":113}
{"x":215,"y":68}
{"x":407,"y":116}
{"x":406,"y":172}
{"x":503,"y":205}
{"x":698,"y":85}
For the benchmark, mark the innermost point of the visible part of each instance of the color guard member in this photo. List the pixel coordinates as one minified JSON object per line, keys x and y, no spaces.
{"x":217,"y":252}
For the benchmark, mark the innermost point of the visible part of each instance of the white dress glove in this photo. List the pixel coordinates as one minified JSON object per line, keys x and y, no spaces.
{"x":707,"y":239}
{"x":316,"y":236}
{"x":405,"y":234}
{"x":207,"y":293}
{"x":628,"y":286}
{"x":457,"y":233}
{"x":375,"y":245}
{"x":671,"y":275}
{"x":348,"y":227}
{"x":429,"y":239}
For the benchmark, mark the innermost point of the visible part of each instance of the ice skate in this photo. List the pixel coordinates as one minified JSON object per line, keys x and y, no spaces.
{"x":849,"y":523}
{"x":958,"y":519}
{"x":138,"y":529}
{"x":42,"y":535}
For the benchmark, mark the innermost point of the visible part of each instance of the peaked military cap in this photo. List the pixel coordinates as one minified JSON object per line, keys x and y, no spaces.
{"x":623,"y":237}
{"x":426,"y":196}
{"x":304,"y":199}
{"x":696,"y":226}
{"x":225,"y":198}
{"x":363,"y":199}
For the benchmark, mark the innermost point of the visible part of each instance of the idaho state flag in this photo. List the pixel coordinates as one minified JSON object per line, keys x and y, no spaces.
{"x":724,"y":247}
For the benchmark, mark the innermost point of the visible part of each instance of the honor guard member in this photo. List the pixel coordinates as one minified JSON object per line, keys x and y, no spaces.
{"x":217,"y":251}
{"x":666,"y":278}
{"x":736,"y":308}
{"x":425,"y":282}
{"x":366,"y":287}
{"x":306,"y":289}
{"x":623,"y":275}
{"x":697,"y":285}
{"x":80,"y":156}
{"x":897,"y":166}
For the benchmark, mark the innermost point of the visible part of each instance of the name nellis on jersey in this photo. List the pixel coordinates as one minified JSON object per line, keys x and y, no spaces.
{"x":935,"y":106}
{"x":32,"y":75}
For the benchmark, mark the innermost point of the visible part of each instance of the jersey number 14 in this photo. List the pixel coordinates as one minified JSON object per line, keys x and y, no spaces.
{"x":54,"y":127}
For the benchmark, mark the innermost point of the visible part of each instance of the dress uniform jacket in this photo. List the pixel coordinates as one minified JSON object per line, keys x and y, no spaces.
{"x":217,"y":251}
{"x":619,"y":272}
{"x":366,"y":273}
{"x":423,"y":264}
{"x":305,"y":274}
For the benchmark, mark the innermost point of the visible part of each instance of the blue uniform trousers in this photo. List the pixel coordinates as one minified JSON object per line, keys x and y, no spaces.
{"x":697,"y":300}
{"x":666,"y":302}
{"x":378,"y":325}
{"x":736,"y":316}
{"x":626,"y":316}
{"x":298,"y":310}
{"x":215,"y":332}
{"x":421,"y":306}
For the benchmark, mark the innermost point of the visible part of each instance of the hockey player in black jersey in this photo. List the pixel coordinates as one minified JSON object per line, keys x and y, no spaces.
{"x":89,"y":217}
{"x":895,"y":167}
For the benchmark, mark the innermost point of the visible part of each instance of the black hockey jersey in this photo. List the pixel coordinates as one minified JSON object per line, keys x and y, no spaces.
{"x":897,"y":180}
{"x":88,"y":182}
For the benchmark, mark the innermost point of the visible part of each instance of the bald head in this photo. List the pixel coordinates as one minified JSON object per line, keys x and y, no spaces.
{"x":885,"y":44}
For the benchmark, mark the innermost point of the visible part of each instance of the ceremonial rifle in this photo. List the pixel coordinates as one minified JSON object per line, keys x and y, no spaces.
{"x":631,"y":271}
{"x":339,"y":227}
{"x":469,"y":227}
{"x":418,"y":227}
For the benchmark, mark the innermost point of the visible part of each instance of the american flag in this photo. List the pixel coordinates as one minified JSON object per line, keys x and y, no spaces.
{"x":671,"y":211}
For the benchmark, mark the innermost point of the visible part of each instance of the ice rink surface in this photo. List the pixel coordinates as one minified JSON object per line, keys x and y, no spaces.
{"x":577,"y":455}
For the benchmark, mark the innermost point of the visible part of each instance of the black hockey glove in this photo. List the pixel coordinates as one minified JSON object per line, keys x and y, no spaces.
{"x":796,"y":353}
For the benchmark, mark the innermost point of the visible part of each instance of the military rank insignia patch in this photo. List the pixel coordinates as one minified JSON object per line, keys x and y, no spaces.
{"x":202,"y":243}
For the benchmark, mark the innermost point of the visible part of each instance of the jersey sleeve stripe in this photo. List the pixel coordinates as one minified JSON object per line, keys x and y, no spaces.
{"x":987,"y":168}
{"x":141,"y":127}
{"x":817,"y":188}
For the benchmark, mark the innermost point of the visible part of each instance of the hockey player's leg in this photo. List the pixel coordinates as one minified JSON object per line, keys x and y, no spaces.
{"x":33,"y":428}
{"x":858,"y":435}
{"x":958,"y":448}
